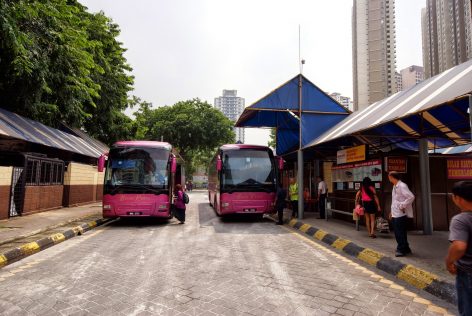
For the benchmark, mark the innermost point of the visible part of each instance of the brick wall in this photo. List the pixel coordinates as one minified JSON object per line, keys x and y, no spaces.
{"x":5,"y":183}
{"x":41,"y":198}
{"x":81,"y":184}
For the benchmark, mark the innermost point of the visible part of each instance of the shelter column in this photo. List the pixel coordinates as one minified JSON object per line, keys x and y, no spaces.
{"x":470,"y":114}
{"x":426,"y":205}
{"x":300,"y":183}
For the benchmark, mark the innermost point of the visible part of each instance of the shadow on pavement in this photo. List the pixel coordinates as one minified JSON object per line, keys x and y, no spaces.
{"x":138,"y":222}
{"x":236,"y":223}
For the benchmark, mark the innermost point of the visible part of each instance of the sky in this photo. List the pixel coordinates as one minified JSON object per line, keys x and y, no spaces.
{"x":186,"y":49}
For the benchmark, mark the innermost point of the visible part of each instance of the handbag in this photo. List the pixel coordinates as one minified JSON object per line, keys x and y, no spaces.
{"x":359,"y":210}
{"x":382,"y":225}
{"x":355,"y":217}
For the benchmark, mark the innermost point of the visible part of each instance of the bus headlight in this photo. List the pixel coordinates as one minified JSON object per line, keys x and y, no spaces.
{"x":106,"y":207}
{"x":162,"y":206}
{"x":225,"y":204}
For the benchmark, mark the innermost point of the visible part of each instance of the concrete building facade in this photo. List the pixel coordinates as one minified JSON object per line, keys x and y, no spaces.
{"x":232,"y":106}
{"x":411,"y":76}
{"x":343,"y":100}
{"x":446,"y":34}
{"x":373,"y":51}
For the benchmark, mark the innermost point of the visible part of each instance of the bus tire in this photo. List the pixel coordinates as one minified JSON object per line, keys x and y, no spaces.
{"x":215,"y":207}
{"x":209,"y":199}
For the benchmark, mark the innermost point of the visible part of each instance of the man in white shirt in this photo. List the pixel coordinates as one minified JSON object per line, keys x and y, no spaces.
{"x":322,"y":191}
{"x":401,"y":210}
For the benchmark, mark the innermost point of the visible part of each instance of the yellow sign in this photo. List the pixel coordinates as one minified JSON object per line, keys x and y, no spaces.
{"x":352,"y":154}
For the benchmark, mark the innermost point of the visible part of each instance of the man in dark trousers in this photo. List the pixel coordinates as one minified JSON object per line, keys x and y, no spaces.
{"x":459,"y":257}
{"x":280,"y":202}
{"x":322,"y":193}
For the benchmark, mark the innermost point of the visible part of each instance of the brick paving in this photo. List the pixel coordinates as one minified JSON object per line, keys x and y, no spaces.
{"x":209,"y":266}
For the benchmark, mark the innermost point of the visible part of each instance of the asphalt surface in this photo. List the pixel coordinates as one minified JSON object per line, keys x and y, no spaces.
{"x":208,"y":266}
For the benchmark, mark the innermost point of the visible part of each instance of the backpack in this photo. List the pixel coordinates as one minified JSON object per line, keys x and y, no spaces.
{"x":185,"y":198}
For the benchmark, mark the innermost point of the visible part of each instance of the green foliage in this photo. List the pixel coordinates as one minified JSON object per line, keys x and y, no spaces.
{"x":194,"y":127}
{"x":60,"y":63}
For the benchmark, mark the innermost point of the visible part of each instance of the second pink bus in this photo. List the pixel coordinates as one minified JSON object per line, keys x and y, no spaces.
{"x":242,"y":180}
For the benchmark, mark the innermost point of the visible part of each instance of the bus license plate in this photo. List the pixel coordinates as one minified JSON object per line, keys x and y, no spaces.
{"x":135,"y":213}
{"x":250,"y":210}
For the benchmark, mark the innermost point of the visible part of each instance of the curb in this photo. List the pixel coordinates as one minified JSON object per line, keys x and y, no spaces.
{"x":42,"y":230}
{"x":28,"y":249}
{"x":414,"y":276}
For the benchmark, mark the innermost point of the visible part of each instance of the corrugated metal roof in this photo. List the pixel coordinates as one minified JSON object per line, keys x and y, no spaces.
{"x":435,"y":108}
{"x":19,"y":127}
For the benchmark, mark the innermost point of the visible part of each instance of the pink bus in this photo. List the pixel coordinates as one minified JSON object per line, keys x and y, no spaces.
{"x":139,"y":179}
{"x":242,"y":179}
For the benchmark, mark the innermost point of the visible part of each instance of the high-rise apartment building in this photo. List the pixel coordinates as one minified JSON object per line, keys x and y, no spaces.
{"x":447,"y":34}
{"x":411,"y":76}
{"x":373,"y":51}
{"x":398,"y":80}
{"x":343,"y":100}
{"x":232,"y":106}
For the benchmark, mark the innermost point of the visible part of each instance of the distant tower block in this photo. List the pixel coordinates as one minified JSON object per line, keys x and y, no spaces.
{"x":232,"y":106}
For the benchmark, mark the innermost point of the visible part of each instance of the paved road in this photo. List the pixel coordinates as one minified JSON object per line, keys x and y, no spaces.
{"x":207,"y":266}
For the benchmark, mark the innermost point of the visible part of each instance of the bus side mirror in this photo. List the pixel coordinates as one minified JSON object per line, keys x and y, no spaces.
{"x":101,"y":163}
{"x":281,"y":163}
{"x":219,"y":165}
{"x":173,"y":165}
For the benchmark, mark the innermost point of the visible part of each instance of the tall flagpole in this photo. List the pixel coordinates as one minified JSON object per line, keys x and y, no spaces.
{"x":300,"y":152}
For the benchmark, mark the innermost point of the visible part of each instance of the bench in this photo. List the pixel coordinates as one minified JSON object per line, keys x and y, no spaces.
{"x":331,"y":210}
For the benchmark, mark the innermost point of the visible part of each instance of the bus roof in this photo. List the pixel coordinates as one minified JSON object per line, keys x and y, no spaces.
{"x":242,"y":146}
{"x":143,"y":143}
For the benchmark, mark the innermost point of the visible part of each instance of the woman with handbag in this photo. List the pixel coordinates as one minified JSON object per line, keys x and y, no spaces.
{"x":367,"y":198}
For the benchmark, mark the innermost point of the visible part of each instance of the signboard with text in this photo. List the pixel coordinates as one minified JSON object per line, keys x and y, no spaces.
{"x":352,"y":154}
{"x":398,"y":164}
{"x":459,"y":169}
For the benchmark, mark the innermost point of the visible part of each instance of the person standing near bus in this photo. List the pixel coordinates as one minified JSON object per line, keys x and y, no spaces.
{"x":322,"y":193}
{"x":179,"y":204}
{"x":459,"y":256}
{"x":401,"y":209}
{"x":280,"y":202}
{"x":293,"y":192}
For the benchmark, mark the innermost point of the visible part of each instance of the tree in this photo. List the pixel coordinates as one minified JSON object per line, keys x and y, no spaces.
{"x":61,"y":63}
{"x":194,"y":127}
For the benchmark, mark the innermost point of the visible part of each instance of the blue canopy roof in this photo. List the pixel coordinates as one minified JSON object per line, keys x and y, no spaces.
{"x":280,"y":110}
{"x":436,"y":109}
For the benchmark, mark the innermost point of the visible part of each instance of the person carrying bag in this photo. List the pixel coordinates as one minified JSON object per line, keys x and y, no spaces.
{"x":370,"y":204}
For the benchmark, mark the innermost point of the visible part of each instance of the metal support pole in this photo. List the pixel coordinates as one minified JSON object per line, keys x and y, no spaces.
{"x":470,"y":114}
{"x":426,"y":205}
{"x":300,"y":183}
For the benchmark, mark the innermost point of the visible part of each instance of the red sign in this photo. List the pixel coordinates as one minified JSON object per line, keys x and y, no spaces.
{"x":460,"y":169}
{"x":398,"y":164}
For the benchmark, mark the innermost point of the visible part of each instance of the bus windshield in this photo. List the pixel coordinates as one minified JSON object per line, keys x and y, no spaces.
{"x":137,"y":166}
{"x":248,"y":168}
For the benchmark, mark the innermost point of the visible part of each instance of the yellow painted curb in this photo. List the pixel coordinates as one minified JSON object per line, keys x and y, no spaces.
{"x":416,"y":277}
{"x":304,"y":228}
{"x":92,"y":224}
{"x":3,"y":261}
{"x":340,"y":243}
{"x":57,"y":238}
{"x":370,"y":256}
{"x":320,"y":234}
{"x":30,"y":248}
{"x":437,"y":309}
{"x":292,"y":222}
{"x":421,"y":301}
